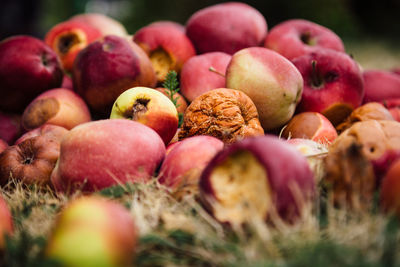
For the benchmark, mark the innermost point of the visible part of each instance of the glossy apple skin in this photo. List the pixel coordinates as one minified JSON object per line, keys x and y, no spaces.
{"x":59,"y":106}
{"x":28,"y":67}
{"x":196,"y":77}
{"x":93,"y":231}
{"x":68,"y":38}
{"x":258,"y":72}
{"x":6,"y":222}
{"x":105,"y":24}
{"x":180,"y":163}
{"x":53,"y":131}
{"x":297,"y":37}
{"x":107,"y":68}
{"x":10,"y":127}
{"x":390,"y":190}
{"x":149,"y":107}
{"x":280,"y":182}
{"x":166,"y":40}
{"x":226,"y":27}
{"x":181,"y":103}
{"x":380,"y":85}
{"x":341,"y":89}
{"x":102,"y":153}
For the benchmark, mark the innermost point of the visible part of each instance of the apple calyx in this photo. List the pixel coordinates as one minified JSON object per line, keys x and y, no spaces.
{"x":66,"y":41}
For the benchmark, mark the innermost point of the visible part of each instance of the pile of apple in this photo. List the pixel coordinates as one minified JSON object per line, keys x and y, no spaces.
{"x":90,"y":107}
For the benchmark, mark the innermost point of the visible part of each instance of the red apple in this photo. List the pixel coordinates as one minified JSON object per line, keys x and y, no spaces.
{"x":28,"y":67}
{"x":10,"y":127}
{"x":246,"y":182}
{"x":226,"y":27}
{"x":203,"y":73}
{"x":93,"y":231}
{"x":390,"y":189}
{"x":393,"y":105}
{"x":3,"y":145}
{"x":181,"y":103}
{"x":297,"y":37}
{"x":149,"y":107}
{"x":60,"y":106}
{"x":167,"y":47}
{"x":105,"y":24}
{"x":333,"y":84}
{"x":177,"y":25}
{"x":107,"y":68}
{"x":396,"y":70}
{"x":381,"y":85}
{"x":99,"y":154}
{"x":6,"y":222}
{"x":67,"y":83}
{"x":52,"y":131}
{"x":383,"y":163}
{"x":68,"y":38}
{"x":270,"y":80}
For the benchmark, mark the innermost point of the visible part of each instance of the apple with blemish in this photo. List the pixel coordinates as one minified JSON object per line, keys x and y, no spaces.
{"x":59,"y":106}
{"x":105,"y":24}
{"x":181,"y":103}
{"x":380,"y":85}
{"x":203,"y":73}
{"x":6,"y":222}
{"x":52,"y":131}
{"x":28,"y":67}
{"x":10,"y":127}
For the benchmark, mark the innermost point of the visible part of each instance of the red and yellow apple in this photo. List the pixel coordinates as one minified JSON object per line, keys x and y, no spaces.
{"x":6,"y":222}
{"x":105,"y":24}
{"x":181,"y":103}
{"x":390,"y":189}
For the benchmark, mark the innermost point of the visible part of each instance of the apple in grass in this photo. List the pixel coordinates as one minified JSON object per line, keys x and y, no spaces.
{"x":380,"y":85}
{"x":333,"y":84}
{"x":226,"y":27}
{"x":28,"y":67}
{"x":167,"y":47}
{"x":149,"y":107}
{"x":297,"y":37}
{"x":105,"y":24}
{"x":10,"y":127}
{"x":6,"y":222}
{"x":93,"y":231}
{"x":203,"y":73}
{"x":107,"y":68}
{"x":103,"y":153}
{"x":271,"y":81}
{"x":390,"y":190}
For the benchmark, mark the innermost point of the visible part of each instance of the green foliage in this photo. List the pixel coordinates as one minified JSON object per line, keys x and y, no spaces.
{"x":171,"y":84}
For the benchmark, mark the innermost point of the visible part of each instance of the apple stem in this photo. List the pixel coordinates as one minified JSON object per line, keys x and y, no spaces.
{"x":315,"y":78}
{"x":212,"y":69}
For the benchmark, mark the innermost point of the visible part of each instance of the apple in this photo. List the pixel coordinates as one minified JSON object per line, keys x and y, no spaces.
{"x":28,"y":67}
{"x":59,"y":106}
{"x":245,"y":182}
{"x":181,"y":103}
{"x":270,"y":80}
{"x":181,"y":168}
{"x":396,"y":70}
{"x":107,"y":68}
{"x":390,"y":190}
{"x":226,"y":27}
{"x":6,"y":222}
{"x":380,"y":85}
{"x":105,"y":24}
{"x":297,"y":37}
{"x":333,"y":84}
{"x":167,"y":47}
{"x":383,"y":163}
{"x":10,"y":127}
{"x":93,"y":231}
{"x":393,"y":105}
{"x":149,"y":107}
{"x":310,"y":125}
{"x":67,"y":83}
{"x":203,"y":73}
{"x":3,"y":145}
{"x":68,"y":38}
{"x":99,"y":154}
{"x":169,"y":23}
{"x":52,"y":131}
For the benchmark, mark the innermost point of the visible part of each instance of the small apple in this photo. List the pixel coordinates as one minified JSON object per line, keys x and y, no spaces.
{"x":10,"y":127}
{"x":393,"y":105}
{"x":149,"y":107}
{"x":28,"y":67}
{"x":105,"y":24}
{"x":52,"y":131}
{"x":270,"y":80}
{"x":226,"y":27}
{"x":181,"y":103}
{"x":60,"y":106}
{"x":381,"y":85}
{"x":6,"y":222}
{"x":390,"y":190}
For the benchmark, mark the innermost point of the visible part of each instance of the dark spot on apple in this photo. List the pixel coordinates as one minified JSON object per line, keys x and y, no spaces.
{"x":331,"y":76}
{"x":39,"y":112}
{"x":138,"y":109}
{"x":317,"y":80}
{"x":108,"y":47}
{"x":66,"y":42}
{"x":27,"y":160}
{"x":372,"y":149}
{"x":44,"y":59}
{"x":307,"y":38}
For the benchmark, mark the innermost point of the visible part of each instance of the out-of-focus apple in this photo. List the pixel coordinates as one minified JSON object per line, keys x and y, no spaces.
{"x":10,"y":127}
{"x":270,"y":80}
{"x":67,"y":83}
{"x":149,"y":107}
{"x":93,"y":231}
{"x":60,"y":106}
{"x":383,"y":163}
{"x":28,"y":67}
{"x":105,"y":24}
{"x":99,"y":154}
{"x":6,"y":222}
{"x":381,"y":85}
{"x":297,"y":37}
{"x":333,"y":84}
{"x":107,"y":68}
{"x":390,"y":189}
{"x":203,"y":73}
{"x":226,"y":27}
{"x":68,"y":38}
{"x":3,"y":145}
{"x":177,"y":25}
{"x":52,"y":131}
{"x":393,"y":105}
{"x":181,"y":103}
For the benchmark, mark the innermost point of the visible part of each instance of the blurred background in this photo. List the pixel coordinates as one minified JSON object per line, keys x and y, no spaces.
{"x":368,"y":27}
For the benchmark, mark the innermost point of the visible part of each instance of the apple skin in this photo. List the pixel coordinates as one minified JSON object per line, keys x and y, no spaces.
{"x":67,"y":83}
{"x":390,"y":190}
{"x":196,"y":77}
{"x":99,"y":154}
{"x":167,"y":47}
{"x":297,"y":37}
{"x":270,"y":80}
{"x":28,"y":67}
{"x":393,"y":105}
{"x":59,"y":106}
{"x":280,"y":185}
{"x":52,"y":131}
{"x":149,"y":107}
{"x":226,"y":27}
{"x":383,"y":163}
{"x":181,"y":103}
{"x":177,"y":25}
{"x":107,"y":68}
{"x":105,"y":24}
{"x":93,"y":231}
{"x":333,"y":86}
{"x":380,"y":85}
{"x":181,"y":167}
{"x":311,"y":125}
{"x":6,"y":222}
{"x":10,"y":127}
{"x":68,"y":38}
{"x":3,"y":145}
